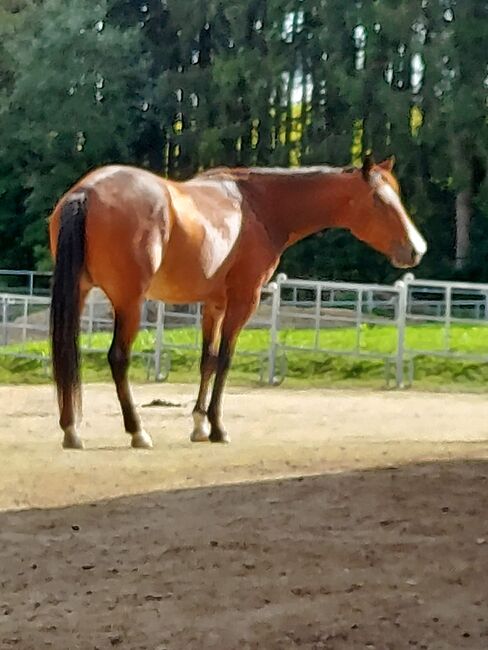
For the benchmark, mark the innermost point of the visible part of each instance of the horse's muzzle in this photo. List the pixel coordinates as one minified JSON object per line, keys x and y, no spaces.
{"x":405,"y":257}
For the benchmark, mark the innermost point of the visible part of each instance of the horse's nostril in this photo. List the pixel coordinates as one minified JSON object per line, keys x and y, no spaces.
{"x":416,"y":258}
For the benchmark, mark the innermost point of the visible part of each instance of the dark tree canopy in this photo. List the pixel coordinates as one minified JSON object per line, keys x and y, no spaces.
{"x":178,"y":86}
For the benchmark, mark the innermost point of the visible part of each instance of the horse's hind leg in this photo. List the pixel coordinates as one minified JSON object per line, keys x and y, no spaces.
{"x":126,"y":326}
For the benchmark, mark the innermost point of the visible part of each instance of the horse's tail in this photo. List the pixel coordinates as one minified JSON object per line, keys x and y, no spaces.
{"x":65,"y":298}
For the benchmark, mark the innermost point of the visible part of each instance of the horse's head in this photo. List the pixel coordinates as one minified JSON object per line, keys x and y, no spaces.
{"x":380,"y":218}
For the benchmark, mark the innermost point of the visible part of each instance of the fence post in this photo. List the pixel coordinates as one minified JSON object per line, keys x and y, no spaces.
{"x":275,"y":287}
{"x":402,"y":287}
{"x":198,"y":323}
{"x":5,"y":320}
{"x":369,"y":301}
{"x":447,"y":319}
{"x":91,"y":317}
{"x":318,"y":313}
{"x":359,"y":318}
{"x":25,"y":319}
{"x":159,"y":340}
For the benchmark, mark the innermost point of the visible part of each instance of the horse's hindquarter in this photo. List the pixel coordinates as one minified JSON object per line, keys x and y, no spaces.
{"x":127,"y":225}
{"x":206,"y":225}
{"x":177,"y":242}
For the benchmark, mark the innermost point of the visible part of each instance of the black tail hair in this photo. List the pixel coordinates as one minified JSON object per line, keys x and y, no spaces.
{"x":65,"y":298}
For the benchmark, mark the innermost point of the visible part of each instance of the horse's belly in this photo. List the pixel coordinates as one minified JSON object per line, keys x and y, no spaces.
{"x":184,"y":284}
{"x":196,"y":258}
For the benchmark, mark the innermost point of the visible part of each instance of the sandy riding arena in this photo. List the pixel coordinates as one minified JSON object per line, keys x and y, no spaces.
{"x":334,"y":520}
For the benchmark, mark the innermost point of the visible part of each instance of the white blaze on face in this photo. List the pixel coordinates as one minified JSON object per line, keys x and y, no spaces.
{"x":388,"y":195}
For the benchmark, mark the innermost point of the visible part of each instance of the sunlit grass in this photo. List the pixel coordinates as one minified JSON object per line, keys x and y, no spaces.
{"x":302,"y":368}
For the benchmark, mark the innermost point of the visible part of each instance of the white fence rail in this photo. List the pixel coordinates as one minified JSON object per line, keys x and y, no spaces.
{"x":457,"y":303}
{"x":25,"y":318}
{"x":320,"y":306}
{"x":298,"y":317}
{"x":25,"y":282}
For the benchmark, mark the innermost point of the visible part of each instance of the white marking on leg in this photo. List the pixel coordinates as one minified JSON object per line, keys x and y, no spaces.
{"x":201,"y":429}
{"x":141,"y":440}
{"x":71,"y":438}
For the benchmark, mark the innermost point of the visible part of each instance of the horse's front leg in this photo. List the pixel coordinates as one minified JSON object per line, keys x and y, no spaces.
{"x":238,"y":311}
{"x":213,"y":314}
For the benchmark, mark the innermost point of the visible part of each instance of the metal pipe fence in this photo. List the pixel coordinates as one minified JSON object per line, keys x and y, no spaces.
{"x":296,"y":317}
{"x":325,"y":306}
{"x":24,"y":318}
{"x":25,"y":282}
{"x":461,"y":305}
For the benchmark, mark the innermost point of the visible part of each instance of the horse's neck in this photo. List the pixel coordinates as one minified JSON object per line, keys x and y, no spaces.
{"x":294,"y":208}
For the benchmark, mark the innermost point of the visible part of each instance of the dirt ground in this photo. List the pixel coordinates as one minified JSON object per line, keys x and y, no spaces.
{"x":335,"y":520}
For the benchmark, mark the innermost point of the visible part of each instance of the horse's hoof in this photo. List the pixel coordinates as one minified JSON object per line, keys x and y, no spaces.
{"x":141,"y":440}
{"x":72,"y":441}
{"x":219,"y":436}
{"x":201,"y":428}
{"x":197,"y":435}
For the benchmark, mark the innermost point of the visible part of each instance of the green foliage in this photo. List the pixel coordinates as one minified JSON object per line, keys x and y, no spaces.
{"x":178,"y":86}
{"x":74,"y":104}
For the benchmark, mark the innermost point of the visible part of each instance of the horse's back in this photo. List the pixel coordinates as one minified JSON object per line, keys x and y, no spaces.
{"x":129,"y":190}
{"x":173,"y":241}
{"x":120,"y":193}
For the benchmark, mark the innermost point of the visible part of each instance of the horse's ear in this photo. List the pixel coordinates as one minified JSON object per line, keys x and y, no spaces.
{"x":368,"y":164}
{"x":388,"y":164}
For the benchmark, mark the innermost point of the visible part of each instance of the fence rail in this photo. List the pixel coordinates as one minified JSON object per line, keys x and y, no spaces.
{"x":286,"y":306}
{"x":25,"y":282}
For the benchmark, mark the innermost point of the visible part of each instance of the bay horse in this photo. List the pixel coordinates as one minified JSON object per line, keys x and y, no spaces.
{"x":217,"y":239}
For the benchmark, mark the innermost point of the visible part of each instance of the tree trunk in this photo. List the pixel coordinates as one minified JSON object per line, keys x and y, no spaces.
{"x":463,"y":220}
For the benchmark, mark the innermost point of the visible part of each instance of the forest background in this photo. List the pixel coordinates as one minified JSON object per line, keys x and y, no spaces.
{"x":178,"y":86}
